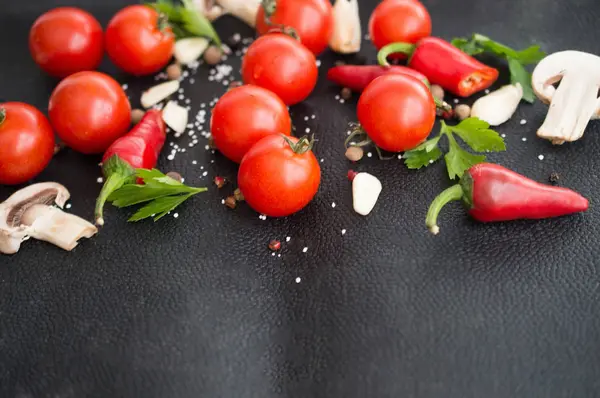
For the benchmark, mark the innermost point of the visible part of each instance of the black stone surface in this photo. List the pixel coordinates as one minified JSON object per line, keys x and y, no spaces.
{"x":196,"y":306}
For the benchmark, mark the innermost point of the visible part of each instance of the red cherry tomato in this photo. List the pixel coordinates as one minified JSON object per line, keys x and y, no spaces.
{"x":399,"y":21}
{"x":137,"y":43}
{"x":245,"y":115}
{"x":66,"y":40}
{"x":89,"y":110}
{"x":281,"y":64}
{"x":311,"y":19}
{"x":26,"y":142}
{"x":277,"y":180}
{"x":397,"y":112}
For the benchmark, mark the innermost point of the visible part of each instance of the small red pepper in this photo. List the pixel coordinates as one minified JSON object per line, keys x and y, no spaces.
{"x":494,"y":193}
{"x":137,"y":149}
{"x":444,"y":64}
{"x":358,"y":77}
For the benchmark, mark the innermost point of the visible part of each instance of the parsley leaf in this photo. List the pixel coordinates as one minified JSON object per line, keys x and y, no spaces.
{"x":477,"y":134}
{"x":458,"y":160}
{"x":518,"y":74}
{"x":418,"y":158}
{"x":161,"y":194}
{"x":474,"y":132}
{"x":467,"y":46}
{"x":530,"y":55}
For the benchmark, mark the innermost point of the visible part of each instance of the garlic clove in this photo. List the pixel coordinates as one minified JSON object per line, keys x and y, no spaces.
{"x":498,"y":106}
{"x":365,"y":192}
{"x":159,"y":93}
{"x":175,"y":116}
{"x":346,"y":37}
{"x":190,"y":49}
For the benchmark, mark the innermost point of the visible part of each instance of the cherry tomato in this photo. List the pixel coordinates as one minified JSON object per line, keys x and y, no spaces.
{"x":278,"y":180}
{"x":311,"y":19}
{"x":89,"y":110}
{"x":281,"y":64}
{"x":26,"y":142}
{"x":66,"y":40}
{"x":137,"y":43}
{"x":397,"y":112}
{"x":399,"y":21}
{"x":245,"y":115}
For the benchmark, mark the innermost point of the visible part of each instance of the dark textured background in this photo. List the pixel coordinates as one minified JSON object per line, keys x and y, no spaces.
{"x":197,"y":306}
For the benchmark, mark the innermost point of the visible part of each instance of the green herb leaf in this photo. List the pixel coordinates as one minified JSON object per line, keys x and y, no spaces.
{"x":196,"y":23}
{"x":518,"y":74}
{"x":467,"y":46}
{"x":530,"y":55}
{"x":477,"y":134}
{"x":159,"y":207}
{"x":458,"y":160}
{"x":418,"y":158}
{"x":162,"y":193}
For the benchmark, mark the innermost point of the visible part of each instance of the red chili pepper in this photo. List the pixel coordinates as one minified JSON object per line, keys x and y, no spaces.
{"x":494,"y":193}
{"x":358,"y":77}
{"x":444,"y":64}
{"x":137,"y":149}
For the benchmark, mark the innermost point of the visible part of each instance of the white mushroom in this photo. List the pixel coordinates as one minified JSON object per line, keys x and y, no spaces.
{"x":365,"y":192}
{"x":245,"y":10}
{"x":29,"y":213}
{"x":575,"y":101}
{"x":346,"y":37}
{"x":499,"y":106}
{"x":190,"y":49}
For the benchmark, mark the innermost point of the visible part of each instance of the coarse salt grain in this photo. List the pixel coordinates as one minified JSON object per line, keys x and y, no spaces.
{"x":298,"y":280}
{"x":524,"y":139}
{"x":273,"y":254}
{"x":305,"y":250}
{"x":176,"y":214}
{"x":541,"y":157}
{"x":125,"y":86}
{"x":503,"y":135}
{"x":194,"y":162}
{"x":487,"y":90}
{"x":343,"y":232}
{"x":337,"y":97}
{"x":68,"y":205}
{"x":318,"y":62}
{"x":100,"y":180}
{"x":523,"y":121}
{"x":170,"y":157}
{"x":306,"y":118}
{"x":333,"y":205}
{"x":313,"y":117}
{"x":342,"y":101}
{"x":369,"y":154}
{"x":322,"y":160}
{"x":287,"y":239}
{"x":456,"y":100}
{"x":399,"y":156}
{"x":205,"y":174}
{"x":307,"y":130}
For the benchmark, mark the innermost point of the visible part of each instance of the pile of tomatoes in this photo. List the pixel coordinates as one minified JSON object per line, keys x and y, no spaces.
{"x":250,"y":124}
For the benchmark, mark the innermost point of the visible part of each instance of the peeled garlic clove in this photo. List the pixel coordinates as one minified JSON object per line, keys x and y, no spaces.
{"x":365,"y":192}
{"x":346,"y":37}
{"x":175,"y":116}
{"x":159,"y":93}
{"x":190,"y":49}
{"x":498,"y":106}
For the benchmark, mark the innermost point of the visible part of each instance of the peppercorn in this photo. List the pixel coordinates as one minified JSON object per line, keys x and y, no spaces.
{"x":212,"y":55}
{"x":354,"y":153}
{"x":237,"y":194}
{"x":220,"y":182}
{"x":462,"y":111}
{"x":230,"y":202}
{"x":346,"y":93}
{"x":137,"y":115}
{"x":174,"y":72}
{"x":437,"y":92}
{"x":275,"y":245}
{"x":554,"y":177}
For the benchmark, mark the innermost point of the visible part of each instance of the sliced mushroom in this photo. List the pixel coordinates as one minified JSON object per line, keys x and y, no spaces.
{"x":346,"y":37}
{"x":498,"y":107}
{"x":29,"y":212}
{"x":575,"y":101}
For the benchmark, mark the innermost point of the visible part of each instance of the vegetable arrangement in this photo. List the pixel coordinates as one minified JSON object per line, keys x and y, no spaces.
{"x":279,"y":174}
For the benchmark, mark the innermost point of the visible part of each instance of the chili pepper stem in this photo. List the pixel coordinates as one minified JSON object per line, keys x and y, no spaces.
{"x":2,"y":115}
{"x":118,"y":173}
{"x":453,"y":193}
{"x":393,"y":48}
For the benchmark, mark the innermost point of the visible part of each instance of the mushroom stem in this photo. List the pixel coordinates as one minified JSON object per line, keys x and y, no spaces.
{"x":52,"y":225}
{"x":346,"y":37}
{"x":573,"y":104}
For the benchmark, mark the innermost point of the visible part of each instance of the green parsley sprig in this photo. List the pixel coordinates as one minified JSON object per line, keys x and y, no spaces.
{"x":161,"y":194}
{"x":517,"y":60}
{"x":473,"y":131}
{"x":186,"y":20}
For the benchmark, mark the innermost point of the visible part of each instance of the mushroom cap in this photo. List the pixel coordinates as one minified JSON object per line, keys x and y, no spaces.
{"x":12,"y":230}
{"x":551,"y":70}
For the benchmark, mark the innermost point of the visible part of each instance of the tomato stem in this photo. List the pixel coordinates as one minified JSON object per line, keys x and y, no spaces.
{"x":2,"y":115}
{"x":162,"y":22}
{"x":303,"y":145}
{"x":356,"y":132}
{"x":270,"y":6}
